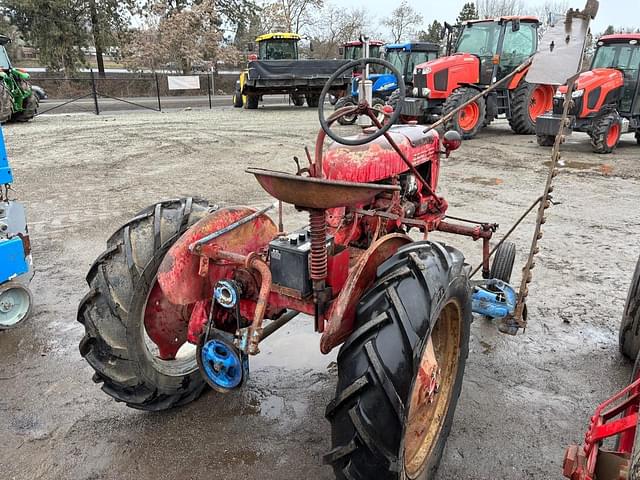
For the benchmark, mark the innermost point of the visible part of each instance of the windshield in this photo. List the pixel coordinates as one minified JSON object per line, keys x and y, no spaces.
{"x":480,"y":39}
{"x":4,"y":59}
{"x":355,"y":52}
{"x":623,"y":56}
{"x":278,"y":49}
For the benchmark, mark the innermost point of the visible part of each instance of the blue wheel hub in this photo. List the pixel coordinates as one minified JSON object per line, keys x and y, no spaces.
{"x":222,"y":364}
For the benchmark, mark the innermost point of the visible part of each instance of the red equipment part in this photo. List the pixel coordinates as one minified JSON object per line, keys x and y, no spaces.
{"x":616,"y":417}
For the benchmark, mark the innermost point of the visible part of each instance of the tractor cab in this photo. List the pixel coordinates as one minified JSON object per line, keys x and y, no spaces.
{"x":405,"y":56}
{"x":278,"y":46}
{"x":5,"y":63}
{"x":622,"y":53}
{"x":353,"y":50}
{"x":501,"y":45}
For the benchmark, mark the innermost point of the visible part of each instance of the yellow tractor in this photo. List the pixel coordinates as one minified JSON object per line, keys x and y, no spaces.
{"x":277,"y":69}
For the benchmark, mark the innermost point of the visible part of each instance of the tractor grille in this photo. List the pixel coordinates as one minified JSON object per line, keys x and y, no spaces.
{"x":558,"y":106}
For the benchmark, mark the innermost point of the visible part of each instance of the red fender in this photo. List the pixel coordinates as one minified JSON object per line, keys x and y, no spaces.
{"x":178,"y":274}
{"x":341,"y":315}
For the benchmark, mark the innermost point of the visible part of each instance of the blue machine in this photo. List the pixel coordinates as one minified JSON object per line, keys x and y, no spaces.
{"x":15,"y":252}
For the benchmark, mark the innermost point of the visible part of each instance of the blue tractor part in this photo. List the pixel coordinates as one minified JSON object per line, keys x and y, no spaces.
{"x":16,"y":268}
{"x":222,"y":364}
{"x":493,"y":298}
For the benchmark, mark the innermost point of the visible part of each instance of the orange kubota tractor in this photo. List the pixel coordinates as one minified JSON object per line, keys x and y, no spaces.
{"x":606,"y":99}
{"x":486,"y":52}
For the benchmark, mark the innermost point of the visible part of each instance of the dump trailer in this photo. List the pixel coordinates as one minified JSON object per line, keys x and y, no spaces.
{"x":606,"y":99}
{"x":277,"y":69}
{"x":487,"y":52}
{"x":17,"y":101}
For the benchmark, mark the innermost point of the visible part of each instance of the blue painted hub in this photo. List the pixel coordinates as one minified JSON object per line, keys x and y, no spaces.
{"x":493,"y":298}
{"x":222,"y":364}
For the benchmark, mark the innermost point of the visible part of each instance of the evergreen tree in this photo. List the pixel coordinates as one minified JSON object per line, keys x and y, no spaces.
{"x":468,"y":12}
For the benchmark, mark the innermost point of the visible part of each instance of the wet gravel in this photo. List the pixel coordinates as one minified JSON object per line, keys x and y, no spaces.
{"x":524,"y":398}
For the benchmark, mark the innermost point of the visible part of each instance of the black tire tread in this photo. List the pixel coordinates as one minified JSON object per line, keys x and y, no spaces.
{"x":31,"y":104}
{"x":520,"y":121}
{"x":546,"y":140}
{"x":132,"y":257}
{"x":629,"y":335}
{"x":600,"y":131}
{"x":503,"y":261}
{"x":457,"y":98}
{"x":361,"y":449}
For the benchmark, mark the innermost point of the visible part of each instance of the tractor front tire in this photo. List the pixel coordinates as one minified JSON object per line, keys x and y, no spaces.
{"x":383,"y":426}
{"x":503,"y":260}
{"x":31,"y":104}
{"x":528,"y":102}
{"x":252,"y":102}
{"x":237,"y":99}
{"x":629,"y":338}
{"x":115,"y":343}
{"x":6,"y":108}
{"x":347,"y":101}
{"x":468,"y":121}
{"x":638,"y":137}
{"x":605,"y":133}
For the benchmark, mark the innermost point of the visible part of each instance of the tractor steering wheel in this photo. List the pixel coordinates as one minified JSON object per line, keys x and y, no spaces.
{"x":363,"y":107}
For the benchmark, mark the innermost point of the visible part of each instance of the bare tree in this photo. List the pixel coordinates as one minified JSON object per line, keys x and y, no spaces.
{"x":499,"y":8}
{"x":551,"y":7}
{"x":290,"y":15}
{"x":335,"y":26}
{"x":403,"y":21}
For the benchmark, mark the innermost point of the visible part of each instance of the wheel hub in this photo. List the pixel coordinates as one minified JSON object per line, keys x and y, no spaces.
{"x":221,"y":364}
{"x":15,"y":304}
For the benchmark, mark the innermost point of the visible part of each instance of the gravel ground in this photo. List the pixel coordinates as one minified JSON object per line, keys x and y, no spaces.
{"x":524,"y":398}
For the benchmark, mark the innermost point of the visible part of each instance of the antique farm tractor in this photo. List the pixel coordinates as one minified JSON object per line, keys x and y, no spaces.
{"x":185,"y":293}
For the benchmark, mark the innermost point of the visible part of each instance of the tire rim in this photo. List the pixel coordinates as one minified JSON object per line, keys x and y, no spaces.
{"x":15,"y":305}
{"x":469,"y":117}
{"x":185,"y":360}
{"x":432,"y":390}
{"x":539,"y":103}
{"x":613,"y":135}
{"x":380,"y":116}
{"x":349,"y":118}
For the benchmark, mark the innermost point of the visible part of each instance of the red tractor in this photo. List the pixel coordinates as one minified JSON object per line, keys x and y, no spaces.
{"x":186,"y":292}
{"x":606,"y":99}
{"x":487,"y":51}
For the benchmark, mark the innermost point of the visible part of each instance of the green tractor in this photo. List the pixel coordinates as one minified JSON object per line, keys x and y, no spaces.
{"x":17,"y":101}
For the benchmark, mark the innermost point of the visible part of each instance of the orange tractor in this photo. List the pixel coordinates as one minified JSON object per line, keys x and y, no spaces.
{"x":487,"y":52}
{"x":606,"y":101}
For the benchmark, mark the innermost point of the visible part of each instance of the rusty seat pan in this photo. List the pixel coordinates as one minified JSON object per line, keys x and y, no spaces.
{"x":317,"y":193}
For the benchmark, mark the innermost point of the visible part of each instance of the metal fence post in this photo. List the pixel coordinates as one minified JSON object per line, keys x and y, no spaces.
{"x":94,"y":92}
{"x":209,"y":88}
{"x":158,"y":92}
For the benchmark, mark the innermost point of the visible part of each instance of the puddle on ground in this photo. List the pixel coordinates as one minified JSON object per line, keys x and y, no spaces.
{"x":484,"y":181}
{"x":582,"y":166}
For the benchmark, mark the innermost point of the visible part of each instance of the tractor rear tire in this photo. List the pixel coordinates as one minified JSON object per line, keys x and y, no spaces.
{"x":31,"y":104}
{"x":112,"y":313}
{"x":605,"y":133}
{"x":546,"y":140}
{"x":6,"y":106}
{"x":252,"y":103}
{"x":421,"y":293}
{"x":312,"y":100}
{"x":503,"y":260}
{"x":638,"y":137}
{"x":529,"y":100}
{"x":629,"y":338}
{"x":469,"y":120}
{"x":347,"y":101}
{"x":378,"y":105}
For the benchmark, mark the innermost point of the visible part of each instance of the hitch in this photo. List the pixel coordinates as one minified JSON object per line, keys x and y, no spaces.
{"x":493,"y":298}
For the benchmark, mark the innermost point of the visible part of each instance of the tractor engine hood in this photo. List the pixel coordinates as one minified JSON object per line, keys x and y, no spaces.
{"x":377,"y":160}
{"x":443,"y":75}
{"x":608,"y":78}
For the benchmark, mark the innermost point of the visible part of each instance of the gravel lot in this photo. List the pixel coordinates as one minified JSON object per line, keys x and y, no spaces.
{"x":524,"y":398}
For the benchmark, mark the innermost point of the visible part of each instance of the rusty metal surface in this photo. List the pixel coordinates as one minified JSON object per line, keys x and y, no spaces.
{"x":317,"y":193}
{"x":178,"y":274}
{"x":341,"y":315}
{"x":560,"y":51}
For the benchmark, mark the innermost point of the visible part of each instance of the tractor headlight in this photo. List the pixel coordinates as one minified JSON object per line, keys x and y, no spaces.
{"x":558,"y":94}
{"x":426,"y":92}
{"x":415,"y":91}
{"x":577,"y":93}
